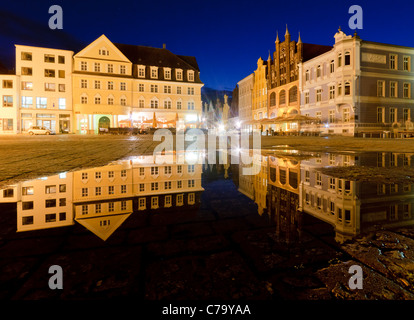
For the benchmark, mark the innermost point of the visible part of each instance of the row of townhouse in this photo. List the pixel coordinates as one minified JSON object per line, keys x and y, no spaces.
{"x":354,"y":87}
{"x":102,"y":198}
{"x":104,"y":85}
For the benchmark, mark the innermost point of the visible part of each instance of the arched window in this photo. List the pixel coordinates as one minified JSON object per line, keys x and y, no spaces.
{"x":307,"y":75}
{"x":347,"y":90}
{"x":272,"y":99}
{"x":318,"y":71}
{"x":282,"y":97}
{"x":339,"y":59}
{"x":293,"y":94}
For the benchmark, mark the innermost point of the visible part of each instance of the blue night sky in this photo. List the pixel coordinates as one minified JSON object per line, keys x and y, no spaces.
{"x":226,"y":37}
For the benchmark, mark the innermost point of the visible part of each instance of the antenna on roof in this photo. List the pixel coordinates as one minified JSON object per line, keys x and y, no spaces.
{"x":164,"y":46}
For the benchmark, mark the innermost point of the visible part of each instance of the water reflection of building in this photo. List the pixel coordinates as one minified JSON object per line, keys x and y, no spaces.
{"x":298,"y":186}
{"x":102,"y":198}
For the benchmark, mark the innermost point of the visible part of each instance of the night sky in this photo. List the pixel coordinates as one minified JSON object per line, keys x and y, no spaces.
{"x":226,"y":37}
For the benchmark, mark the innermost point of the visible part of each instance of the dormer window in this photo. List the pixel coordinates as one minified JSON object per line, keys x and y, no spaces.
{"x":190,"y":75}
{"x":167,"y":73}
{"x":141,"y":71}
{"x":154,"y":72}
{"x":179,"y":74}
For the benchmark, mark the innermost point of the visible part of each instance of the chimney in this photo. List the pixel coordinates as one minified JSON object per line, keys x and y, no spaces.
{"x":164,"y":46}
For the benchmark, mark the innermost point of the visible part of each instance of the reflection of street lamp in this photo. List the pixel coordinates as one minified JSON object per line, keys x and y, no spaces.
{"x":221,"y":127}
{"x":238,"y":124}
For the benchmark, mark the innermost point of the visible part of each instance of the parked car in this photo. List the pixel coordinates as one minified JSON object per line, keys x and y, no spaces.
{"x":39,"y":130}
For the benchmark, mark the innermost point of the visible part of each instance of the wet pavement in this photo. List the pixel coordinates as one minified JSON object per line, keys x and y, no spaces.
{"x":291,"y":231}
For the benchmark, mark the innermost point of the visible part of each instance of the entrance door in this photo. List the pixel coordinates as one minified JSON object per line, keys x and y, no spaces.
{"x":104,"y":123}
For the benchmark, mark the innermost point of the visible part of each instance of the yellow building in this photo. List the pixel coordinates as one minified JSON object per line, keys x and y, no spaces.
{"x":119,"y":85}
{"x":259,"y":93}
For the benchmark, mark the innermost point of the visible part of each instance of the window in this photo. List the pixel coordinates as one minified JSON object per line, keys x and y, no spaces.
{"x":141,"y":187}
{"x":318,"y":71}
{"x":84,"y":66}
{"x":167,"y":170}
{"x":61,"y":74}
{"x":406,"y":114}
{"x":26,"y":56}
{"x":97,"y":100}
{"x":62,"y":87}
{"x":307,"y":75}
{"x":98,"y":208}
{"x":123,"y":102}
{"x":62,"y":188}
{"x":154,"y":186}
{"x":7,"y":101}
{"x":50,"y":73}
{"x":179,"y":199}
{"x":97,"y":67}
{"x":84,"y":83}
{"x":154,"y":88}
{"x":141,"y":71}
{"x":339,"y":89}
{"x":61,"y":59}
{"x":339,"y":60}
{"x":141,"y":103}
{"x":111,"y":174}
{"x":406,"y":63}
{"x":50,"y":189}
{"x":282,"y":97}
{"x":110,"y":68}
{"x":190,"y":91}
{"x":393,"y":61}
{"x":307,"y":176}
{"x":97,"y":84}
{"x":141,"y":87}
{"x":332,"y":116}
{"x":332,"y":92}
{"x":167,"y":104}
{"x":190,"y":75}
{"x":293,"y":94}
{"x":50,"y":87}
{"x":123,"y":173}
{"x":27,"y":220}
{"x":62,"y":202}
{"x":154,"y":171}
{"x":84,"y":209}
{"x":26,"y":191}
{"x":332,"y":66}
{"x":380,"y":115}
{"x":318,"y":95}
{"x":123,"y":86}
{"x":122,"y":69}
{"x":167,"y":89}
{"x":154,"y":103}
{"x":306,"y":97}
{"x":154,"y":73}
{"x":84,"y":192}
{"x":8,"y":193}
{"x":27,"y":71}
{"x":27,"y":85}
{"x":50,"y":203}
{"x":167,"y":185}
{"x":41,"y":103}
{"x":332,"y":207}
{"x":178,"y":90}
{"x":84,"y":100}
{"x":62,"y":103}
{"x":111,"y":190}
{"x":49,"y":58}
{"x":190,"y":105}
{"x":27,"y":205}
{"x":167,"y":73}
{"x":111,"y":206}
{"x":318,"y":179}
{"x":110,"y":85}
{"x":393,"y":89}
{"x":50,"y":217}
{"x":406,"y":90}
{"x":191,"y":183}
{"x":179,"y":105}
{"x":141,"y":171}
{"x":347,"y":90}
{"x":7,"y":84}
{"x":191,"y":168}
{"x":98,"y":191}
{"x":380,"y":88}
{"x":179,"y":169}
{"x":191,"y":198}
{"x":110,"y":100}
{"x":345,"y":115}
{"x":141,"y":203}
{"x":168,"y":201}
{"x":123,"y":188}
{"x":332,"y":183}
{"x":27,"y":102}
{"x":179,"y":184}
{"x":179,"y":75}
{"x":347,"y":58}
{"x":154,"y":202}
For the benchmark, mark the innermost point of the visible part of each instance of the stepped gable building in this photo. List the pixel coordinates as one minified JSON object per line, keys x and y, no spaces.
{"x":283,"y":76}
{"x":121,"y":85}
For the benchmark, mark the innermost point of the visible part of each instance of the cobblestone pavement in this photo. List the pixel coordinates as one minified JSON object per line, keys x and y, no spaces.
{"x":24,"y":157}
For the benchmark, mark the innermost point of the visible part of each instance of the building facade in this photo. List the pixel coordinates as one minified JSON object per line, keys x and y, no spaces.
{"x":259,"y":93}
{"x":358,"y":87}
{"x":118,"y":85}
{"x":245,"y":102}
